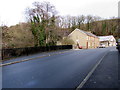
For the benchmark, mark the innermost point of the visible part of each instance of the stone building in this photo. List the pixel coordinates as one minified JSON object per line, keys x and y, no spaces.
{"x":84,"y":39}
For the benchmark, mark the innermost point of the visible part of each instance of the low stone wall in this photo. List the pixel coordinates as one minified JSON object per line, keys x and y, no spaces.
{"x":15,"y":52}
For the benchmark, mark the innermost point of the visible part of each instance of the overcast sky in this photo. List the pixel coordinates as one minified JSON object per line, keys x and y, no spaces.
{"x":12,"y":11}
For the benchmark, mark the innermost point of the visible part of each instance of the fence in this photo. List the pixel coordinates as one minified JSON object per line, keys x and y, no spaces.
{"x":15,"y":52}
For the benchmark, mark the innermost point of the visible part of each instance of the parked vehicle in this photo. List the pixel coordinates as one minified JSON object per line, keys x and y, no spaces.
{"x":102,"y":46}
{"x":118,"y":45}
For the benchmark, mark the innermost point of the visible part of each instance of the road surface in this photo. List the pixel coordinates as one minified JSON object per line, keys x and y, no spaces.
{"x":65,"y":70}
{"x":106,"y":74}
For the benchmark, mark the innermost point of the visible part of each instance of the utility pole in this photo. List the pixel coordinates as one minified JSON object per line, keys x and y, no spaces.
{"x":119,"y":9}
{"x":119,"y":19}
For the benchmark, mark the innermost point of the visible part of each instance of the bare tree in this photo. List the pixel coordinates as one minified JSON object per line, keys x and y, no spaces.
{"x":89,"y":19}
{"x":41,"y":17}
{"x":80,"y":20}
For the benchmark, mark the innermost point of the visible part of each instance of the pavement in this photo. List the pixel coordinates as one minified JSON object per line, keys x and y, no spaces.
{"x":63,"y":70}
{"x":106,"y":75}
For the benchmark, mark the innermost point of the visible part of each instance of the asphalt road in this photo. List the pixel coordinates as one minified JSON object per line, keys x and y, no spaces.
{"x":106,"y":74}
{"x":65,"y":70}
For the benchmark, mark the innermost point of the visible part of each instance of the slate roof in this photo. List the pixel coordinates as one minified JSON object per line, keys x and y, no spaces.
{"x":88,"y":33}
{"x":107,"y":38}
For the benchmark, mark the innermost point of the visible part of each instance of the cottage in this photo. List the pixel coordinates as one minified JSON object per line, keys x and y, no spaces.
{"x":107,"y":40}
{"x":84,"y":39}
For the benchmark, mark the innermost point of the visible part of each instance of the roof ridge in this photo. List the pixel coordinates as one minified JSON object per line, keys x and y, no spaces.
{"x":87,"y":33}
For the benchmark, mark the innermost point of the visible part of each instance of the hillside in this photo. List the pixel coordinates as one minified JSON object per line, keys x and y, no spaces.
{"x":105,"y":27}
{"x":17,"y":36}
{"x":102,"y":27}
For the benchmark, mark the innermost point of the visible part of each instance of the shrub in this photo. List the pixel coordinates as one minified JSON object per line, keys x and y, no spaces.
{"x":67,"y":41}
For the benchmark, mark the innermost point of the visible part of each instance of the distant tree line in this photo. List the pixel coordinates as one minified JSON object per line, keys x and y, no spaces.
{"x":95,"y":24}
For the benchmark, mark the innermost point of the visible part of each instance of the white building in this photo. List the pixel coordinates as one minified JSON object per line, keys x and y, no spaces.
{"x":107,"y":40}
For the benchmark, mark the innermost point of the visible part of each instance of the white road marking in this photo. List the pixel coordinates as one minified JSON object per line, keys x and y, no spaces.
{"x":90,"y":73}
